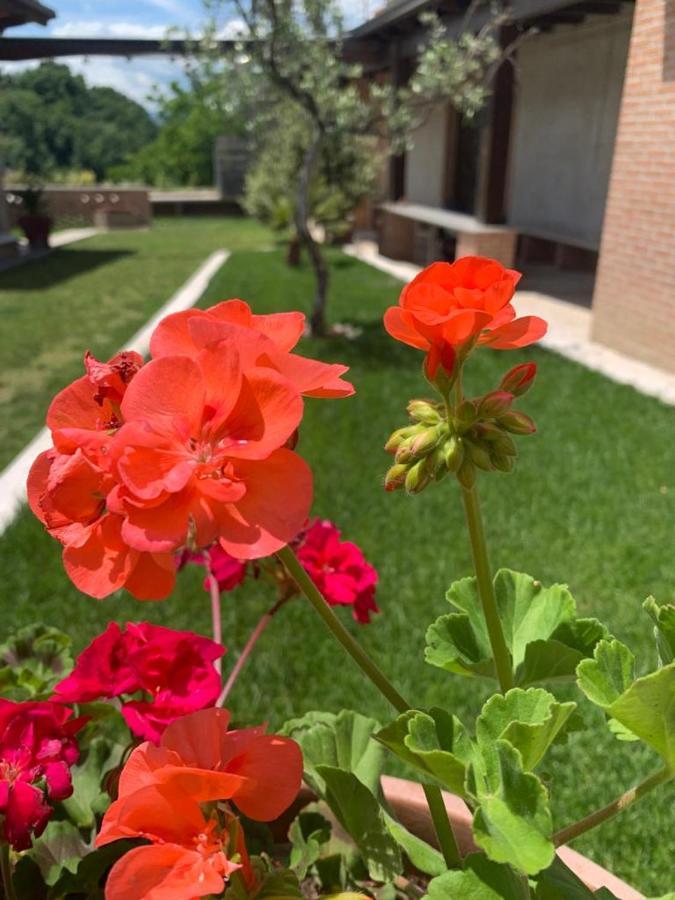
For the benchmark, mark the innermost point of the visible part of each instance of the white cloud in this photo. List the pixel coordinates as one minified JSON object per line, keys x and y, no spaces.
{"x":88,"y":29}
{"x":137,"y":78}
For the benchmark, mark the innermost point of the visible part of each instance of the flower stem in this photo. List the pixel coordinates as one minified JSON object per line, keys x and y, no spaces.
{"x":216,"y":616}
{"x":439,"y":815}
{"x":486,"y":590}
{"x":661,"y":776}
{"x":246,"y":652}
{"x":6,"y":867}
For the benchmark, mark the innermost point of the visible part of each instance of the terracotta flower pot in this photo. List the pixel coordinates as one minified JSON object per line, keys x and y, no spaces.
{"x":37,"y":230}
{"x":407,"y":801}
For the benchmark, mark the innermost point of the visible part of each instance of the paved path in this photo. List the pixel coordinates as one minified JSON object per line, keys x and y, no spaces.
{"x":13,"y":478}
{"x":569,"y":331}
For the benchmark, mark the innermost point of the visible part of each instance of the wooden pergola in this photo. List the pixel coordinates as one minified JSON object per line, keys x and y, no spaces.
{"x":22,"y":12}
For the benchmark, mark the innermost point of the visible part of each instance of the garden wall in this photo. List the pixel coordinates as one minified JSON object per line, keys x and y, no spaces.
{"x":102,"y":206}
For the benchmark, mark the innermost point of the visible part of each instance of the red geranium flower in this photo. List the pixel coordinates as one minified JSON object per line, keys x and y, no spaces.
{"x":174,"y":667}
{"x":460,"y":304}
{"x":68,"y":487}
{"x":339,"y":569}
{"x":198,"y":456}
{"x":270,"y":340}
{"x":161,"y":788}
{"x":37,"y":749}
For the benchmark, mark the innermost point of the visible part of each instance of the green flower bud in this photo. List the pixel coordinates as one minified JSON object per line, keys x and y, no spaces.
{"x":437,"y":462}
{"x":404,"y":453}
{"x":424,"y":411}
{"x":418,"y":477}
{"x":428,"y":440}
{"x":502,"y":462}
{"x":465,"y":416}
{"x":517,"y":422}
{"x":453,"y":453}
{"x":398,"y":437}
{"x":466,"y":474}
{"x":395,"y":478}
{"x":478,"y":455}
{"x":495,"y":404}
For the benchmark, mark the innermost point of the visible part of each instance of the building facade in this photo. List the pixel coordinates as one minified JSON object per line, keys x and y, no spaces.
{"x":572,"y":165}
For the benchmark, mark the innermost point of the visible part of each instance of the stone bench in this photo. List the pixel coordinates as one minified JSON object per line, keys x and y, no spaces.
{"x":416,"y":233}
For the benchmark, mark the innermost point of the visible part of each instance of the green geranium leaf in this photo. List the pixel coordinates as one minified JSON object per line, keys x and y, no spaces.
{"x":343,"y":740}
{"x":664,"y":629}
{"x":530,"y":720}
{"x":644,"y":708}
{"x":361,"y":816}
{"x":422,"y":855}
{"x":89,"y":798}
{"x":544,"y":638}
{"x":557,"y":658}
{"x":605,"y":677}
{"x":273,"y":884}
{"x":513,"y":820}
{"x":454,"y":645}
{"x":59,"y":849}
{"x":481,"y":879}
{"x":559,"y":882}
{"x":33,"y":661}
{"x":308,"y":833}
{"x":434,"y":742}
{"x":89,"y":878}
{"x":647,"y":709}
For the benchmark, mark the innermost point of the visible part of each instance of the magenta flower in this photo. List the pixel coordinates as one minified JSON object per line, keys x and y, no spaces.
{"x":37,"y":749}
{"x":174,"y":669}
{"x":339,"y":569}
{"x":228,"y":571}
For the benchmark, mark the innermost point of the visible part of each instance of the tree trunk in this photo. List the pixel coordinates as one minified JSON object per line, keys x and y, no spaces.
{"x":293,"y":251}
{"x":317,"y":319}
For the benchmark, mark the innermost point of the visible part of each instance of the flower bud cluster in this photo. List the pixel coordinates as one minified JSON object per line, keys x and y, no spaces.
{"x":474,"y":434}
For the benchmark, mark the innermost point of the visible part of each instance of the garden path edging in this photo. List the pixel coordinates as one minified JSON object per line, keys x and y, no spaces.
{"x":13,"y":477}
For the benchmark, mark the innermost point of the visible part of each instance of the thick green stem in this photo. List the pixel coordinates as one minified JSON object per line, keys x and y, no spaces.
{"x":486,"y":589}
{"x":439,"y":815}
{"x":614,"y":808}
{"x":6,"y":867}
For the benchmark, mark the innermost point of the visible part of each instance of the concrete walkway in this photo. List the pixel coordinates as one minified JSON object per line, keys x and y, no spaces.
{"x":569,"y":332}
{"x":13,"y":478}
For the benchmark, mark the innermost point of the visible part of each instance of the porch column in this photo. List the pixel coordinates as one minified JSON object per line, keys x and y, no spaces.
{"x":493,"y":155}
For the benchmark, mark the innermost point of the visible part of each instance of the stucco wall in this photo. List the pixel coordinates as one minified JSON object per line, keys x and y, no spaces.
{"x":425,"y":163}
{"x":568,"y":86}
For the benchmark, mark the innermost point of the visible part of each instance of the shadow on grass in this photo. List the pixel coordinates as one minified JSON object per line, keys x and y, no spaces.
{"x":57,"y":267}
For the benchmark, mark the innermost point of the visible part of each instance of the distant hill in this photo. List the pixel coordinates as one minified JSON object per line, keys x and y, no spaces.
{"x":51,"y":122}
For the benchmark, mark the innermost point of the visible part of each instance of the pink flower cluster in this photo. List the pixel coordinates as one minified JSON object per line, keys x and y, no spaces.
{"x":338,"y":568}
{"x":37,"y":749}
{"x":174,"y":668}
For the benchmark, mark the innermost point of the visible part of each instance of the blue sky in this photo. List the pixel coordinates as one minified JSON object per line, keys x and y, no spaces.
{"x":136,"y":18}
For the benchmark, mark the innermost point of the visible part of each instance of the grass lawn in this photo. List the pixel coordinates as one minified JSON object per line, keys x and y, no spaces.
{"x":90,"y":295}
{"x":592,"y":503}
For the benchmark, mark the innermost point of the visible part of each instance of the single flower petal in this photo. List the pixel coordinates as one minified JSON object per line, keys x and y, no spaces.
{"x":518,"y":333}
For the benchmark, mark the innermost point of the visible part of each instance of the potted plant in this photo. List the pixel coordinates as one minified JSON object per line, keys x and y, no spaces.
{"x":123,"y":774}
{"x":34,"y":222}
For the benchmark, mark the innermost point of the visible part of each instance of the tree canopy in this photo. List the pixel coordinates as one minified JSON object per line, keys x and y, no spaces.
{"x":51,"y":121}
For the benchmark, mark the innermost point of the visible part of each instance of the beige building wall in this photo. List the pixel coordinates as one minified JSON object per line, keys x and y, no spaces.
{"x":426,"y":166}
{"x":568,"y":92}
{"x":634,"y":302}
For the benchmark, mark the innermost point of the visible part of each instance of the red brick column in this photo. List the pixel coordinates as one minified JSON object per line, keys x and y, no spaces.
{"x":634,"y":302}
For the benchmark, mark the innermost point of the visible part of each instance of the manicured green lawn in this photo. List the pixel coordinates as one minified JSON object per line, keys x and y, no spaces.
{"x":90,"y":295}
{"x":592,"y":503}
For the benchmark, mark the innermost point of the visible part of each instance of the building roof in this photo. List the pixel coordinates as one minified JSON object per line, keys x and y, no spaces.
{"x":21,"y":12}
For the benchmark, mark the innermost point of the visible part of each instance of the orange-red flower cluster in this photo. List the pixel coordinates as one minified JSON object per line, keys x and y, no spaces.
{"x":172,"y":796}
{"x":185,"y":451}
{"x":451,"y":307}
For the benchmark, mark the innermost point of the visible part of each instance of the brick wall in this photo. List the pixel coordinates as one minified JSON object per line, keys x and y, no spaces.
{"x":634,"y":301}
{"x":77,"y":206}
